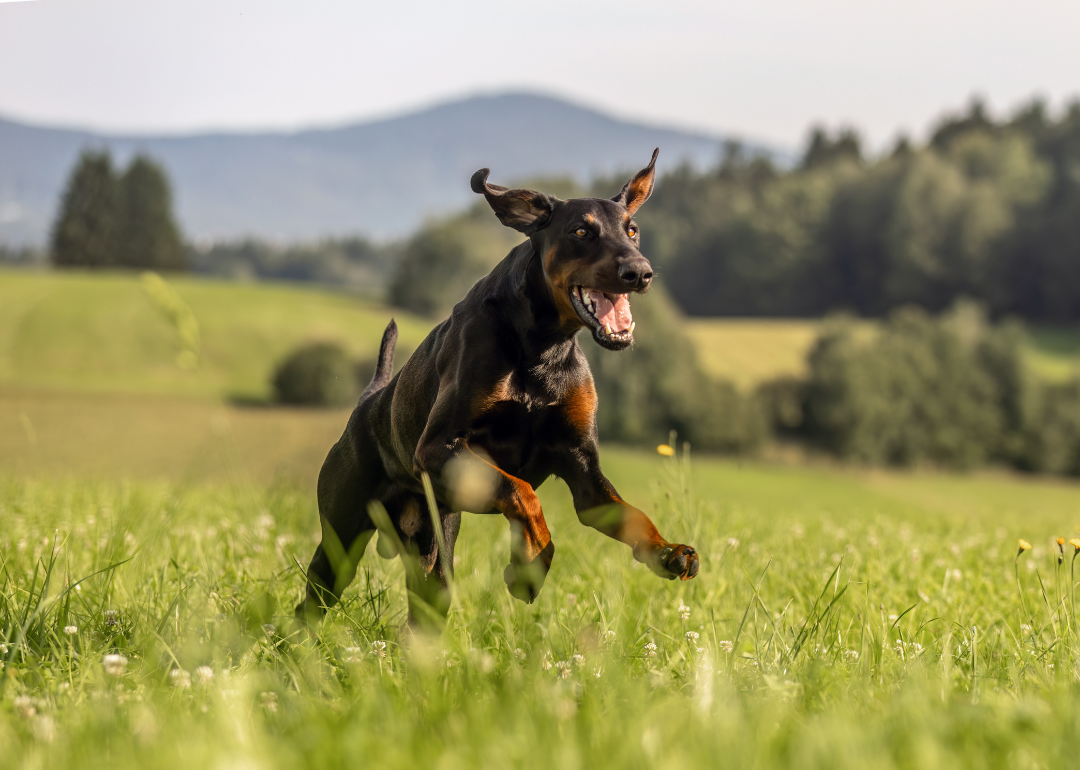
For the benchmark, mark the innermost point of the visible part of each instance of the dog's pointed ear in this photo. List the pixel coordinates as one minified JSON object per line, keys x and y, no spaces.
{"x":637,"y":190}
{"x":524,"y":210}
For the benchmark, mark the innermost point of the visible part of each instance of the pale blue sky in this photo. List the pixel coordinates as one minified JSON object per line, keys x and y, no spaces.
{"x":764,"y":69}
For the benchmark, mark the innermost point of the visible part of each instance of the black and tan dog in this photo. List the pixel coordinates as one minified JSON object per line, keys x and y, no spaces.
{"x":501,"y":385}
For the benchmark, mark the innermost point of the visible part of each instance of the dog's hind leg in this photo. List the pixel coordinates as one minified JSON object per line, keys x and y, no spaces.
{"x":345,"y":487}
{"x":428,"y":573}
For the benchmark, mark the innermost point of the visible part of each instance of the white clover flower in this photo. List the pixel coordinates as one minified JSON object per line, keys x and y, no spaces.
{"x":269,"y":701}
{"x":204,"y":674}
{"x":269,"y":628}
{"x":701,"y":650}
{"x":684,"y":611}
{"x":24,"y":704}
{"x":578,"y":660}
{"x":520,"y":654}
{"x":70,"y":630}
{"x":378,"y":648}
{"x":564,"y":669}
{"x":733,"y":542}
{"x":851,"y":654}
{"x":692,"y":636}
{"x":546,"y":663}
{"x":180,"y":678}
{"x":353,"y":654}
{"x":725,"y":646}
{"x":650,"y":650}
{"x":956,"y":575}
{"x":609,"y":637}
{"x":114,"y":664}
{"x":3,"y":649}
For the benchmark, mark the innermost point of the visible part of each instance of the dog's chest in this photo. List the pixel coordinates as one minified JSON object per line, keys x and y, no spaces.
{"x":521,"y":418}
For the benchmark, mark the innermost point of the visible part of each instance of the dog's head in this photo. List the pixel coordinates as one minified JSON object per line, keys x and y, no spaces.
{"x":589,"y":249}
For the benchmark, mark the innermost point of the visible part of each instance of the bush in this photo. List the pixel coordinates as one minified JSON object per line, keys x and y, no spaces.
{"x":316,"y":374}
{"x":915,"y":394}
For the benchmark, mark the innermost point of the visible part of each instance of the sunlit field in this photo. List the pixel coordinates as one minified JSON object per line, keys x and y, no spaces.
{"x":154,"y":529}
{"x":840,"y":620}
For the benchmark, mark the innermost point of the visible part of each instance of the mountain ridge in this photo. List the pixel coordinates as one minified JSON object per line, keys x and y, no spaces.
{"x":379,"y":178}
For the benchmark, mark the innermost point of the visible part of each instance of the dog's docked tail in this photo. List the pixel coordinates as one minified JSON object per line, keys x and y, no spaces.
{"x":384,"y":370}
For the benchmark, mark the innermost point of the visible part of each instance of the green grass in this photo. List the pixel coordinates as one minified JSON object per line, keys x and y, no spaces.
{"x":806,"y":573}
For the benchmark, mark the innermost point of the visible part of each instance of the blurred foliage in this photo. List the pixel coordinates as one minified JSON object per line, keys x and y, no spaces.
{"x":316,"y":374}
{"x":985,"y":209}
{"x":950,"y":391}
{"x":106,"y":220}
{"x":353,"y":262}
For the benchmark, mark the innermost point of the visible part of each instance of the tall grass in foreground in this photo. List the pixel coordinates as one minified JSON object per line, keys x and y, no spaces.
{"x":150,"y":626}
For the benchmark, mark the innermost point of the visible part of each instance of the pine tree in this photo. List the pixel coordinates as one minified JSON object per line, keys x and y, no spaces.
{"x":147,"y":234}
{"x":84,"y":234}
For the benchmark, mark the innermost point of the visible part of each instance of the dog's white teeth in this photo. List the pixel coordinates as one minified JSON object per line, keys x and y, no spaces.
{"x":607,"y":328}
{"x":632,"y":325}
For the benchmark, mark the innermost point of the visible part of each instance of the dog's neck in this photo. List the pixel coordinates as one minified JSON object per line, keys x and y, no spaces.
{"x":519,"y":292}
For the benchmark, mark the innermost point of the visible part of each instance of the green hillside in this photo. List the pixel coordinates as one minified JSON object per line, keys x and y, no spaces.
{"x":101,"y":333}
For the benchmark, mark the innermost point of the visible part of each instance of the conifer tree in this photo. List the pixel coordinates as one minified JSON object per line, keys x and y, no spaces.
{"x":84,"y":234}
{"x":147,"y":234}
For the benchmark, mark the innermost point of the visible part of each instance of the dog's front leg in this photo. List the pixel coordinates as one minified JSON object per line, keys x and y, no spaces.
{"x":531,"y":547}
{"x":599,"y":506}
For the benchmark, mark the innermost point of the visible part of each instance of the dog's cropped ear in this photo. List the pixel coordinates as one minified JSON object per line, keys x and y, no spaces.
{"x":524,"y":210}
{"x":637,"y":190}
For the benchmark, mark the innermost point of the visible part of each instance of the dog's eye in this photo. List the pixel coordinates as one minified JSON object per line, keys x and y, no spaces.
{"x":632,"y":231}
{"x":581,"y":232}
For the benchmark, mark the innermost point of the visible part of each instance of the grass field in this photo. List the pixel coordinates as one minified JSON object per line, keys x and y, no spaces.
{"x":152,"y":532}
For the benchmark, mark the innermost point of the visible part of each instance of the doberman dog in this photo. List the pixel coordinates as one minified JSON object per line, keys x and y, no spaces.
{"x":500,"y":392}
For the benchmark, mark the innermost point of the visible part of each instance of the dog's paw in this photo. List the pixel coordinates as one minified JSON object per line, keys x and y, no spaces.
{"x":524,"y":579}
{"x":675,"y":561}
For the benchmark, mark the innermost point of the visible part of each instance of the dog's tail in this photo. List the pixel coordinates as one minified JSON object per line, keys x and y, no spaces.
{"x":385,"y":368}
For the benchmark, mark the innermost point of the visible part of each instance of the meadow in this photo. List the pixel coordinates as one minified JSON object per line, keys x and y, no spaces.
{"x":154,"y":529}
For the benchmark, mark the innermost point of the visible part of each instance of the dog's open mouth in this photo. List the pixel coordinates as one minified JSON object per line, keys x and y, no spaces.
{"x":608,"y":315}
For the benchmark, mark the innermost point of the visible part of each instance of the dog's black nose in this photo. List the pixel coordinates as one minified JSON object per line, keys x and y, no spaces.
{"x":636,"y":273}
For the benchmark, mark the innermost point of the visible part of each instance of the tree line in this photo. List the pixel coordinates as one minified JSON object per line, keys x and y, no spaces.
{"x":984,"y":209}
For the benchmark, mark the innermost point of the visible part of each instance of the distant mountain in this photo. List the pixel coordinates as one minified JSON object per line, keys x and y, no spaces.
{"x":380,"y":178}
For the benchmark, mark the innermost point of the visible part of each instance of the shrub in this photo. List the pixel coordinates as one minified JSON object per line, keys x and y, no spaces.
{"x":316,"y":374}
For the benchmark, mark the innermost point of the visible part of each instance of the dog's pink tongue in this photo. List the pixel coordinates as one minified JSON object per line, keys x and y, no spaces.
{"x":616,"y":315}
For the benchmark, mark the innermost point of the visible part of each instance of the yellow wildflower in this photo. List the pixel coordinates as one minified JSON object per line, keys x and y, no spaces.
{"x":1075,"y":543}
{"x":1024,"y":546}
{"x":665,"y":450}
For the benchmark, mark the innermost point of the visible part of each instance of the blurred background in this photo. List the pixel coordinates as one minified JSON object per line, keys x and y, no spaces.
{"x":866,"y":224}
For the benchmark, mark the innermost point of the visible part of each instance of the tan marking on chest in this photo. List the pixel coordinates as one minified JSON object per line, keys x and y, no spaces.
{"x":580,"y":406}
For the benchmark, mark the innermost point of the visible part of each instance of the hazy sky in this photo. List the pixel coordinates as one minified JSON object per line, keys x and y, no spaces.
{"x":765,"y":69}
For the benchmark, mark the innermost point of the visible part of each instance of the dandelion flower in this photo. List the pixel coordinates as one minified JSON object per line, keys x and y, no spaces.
{"x":1024,"y":546}
{"x":69,"y":630}
{"x":665,"y":450}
